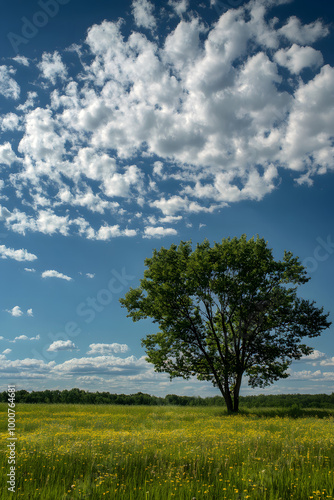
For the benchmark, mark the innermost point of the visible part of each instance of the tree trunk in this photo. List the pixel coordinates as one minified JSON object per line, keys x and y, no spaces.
{"x":229,"y":402}
{"x":232,"y":404}
{"x":236,"y":404}
{"x":236,"y":393}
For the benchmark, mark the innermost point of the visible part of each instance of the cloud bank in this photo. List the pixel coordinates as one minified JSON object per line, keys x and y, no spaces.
{"x":207,"y":116}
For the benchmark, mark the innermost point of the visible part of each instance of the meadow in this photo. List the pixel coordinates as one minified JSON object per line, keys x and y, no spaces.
{"x":161,"y":452}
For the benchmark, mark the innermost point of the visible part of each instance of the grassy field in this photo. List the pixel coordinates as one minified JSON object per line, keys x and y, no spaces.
{"x":134,"y":453}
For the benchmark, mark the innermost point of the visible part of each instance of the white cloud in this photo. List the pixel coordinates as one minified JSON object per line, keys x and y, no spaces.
{"x":143,"y":13}
{"x":6,"y":351}
{"x":42,"y":140}
{"x":327,"y":362}
{"x":182,"y":46}
{"x":19,"y":255}
{"x":21,"y":60}
{"x":306,"y":375}
{"x":103,"y":365}
{"x":90,"y":379}
{"x":25,"y":367}
{"x":180,"y":6}
{"x":308,"y":143}
{"x":170,"y":218}
{"x":90,"y":275}
{"x":55,"y":274}
{"x":215,"y":122}
{"x":62,"y":345}
{"x":294,"y":31}
{"x":177,"y":204}
{"x":30,"y":312}
{"x":46,"y":222}
{"x":105,"y":233}
{"x":30,"y":270}
{"x":7,"y":155}
{"x":52,"y":67}
{"x":16,"y":311}
{"x":111,"y":372}
{"x":10,"y":122}
{"x":159,"y":232}
{"x":314,"y":356}
{"x":8,"y":86}
{"x":105,"y":349}
{"x":29,"y":103}
{"x":297,"y":58}
{"x":35,"y":338}
{"x":25,"y":337}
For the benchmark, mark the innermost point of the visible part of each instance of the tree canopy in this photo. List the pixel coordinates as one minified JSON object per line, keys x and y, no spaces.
{"x":225,"y":311}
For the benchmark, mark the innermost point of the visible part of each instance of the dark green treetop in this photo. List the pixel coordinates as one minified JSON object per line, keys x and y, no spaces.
{"x":225,"y":311}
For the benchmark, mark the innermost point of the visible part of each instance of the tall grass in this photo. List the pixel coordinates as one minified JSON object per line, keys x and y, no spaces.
{"x":160,"y":453}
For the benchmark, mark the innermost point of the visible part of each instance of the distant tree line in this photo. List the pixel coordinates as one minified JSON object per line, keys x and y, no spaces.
{"x":78,"y":396}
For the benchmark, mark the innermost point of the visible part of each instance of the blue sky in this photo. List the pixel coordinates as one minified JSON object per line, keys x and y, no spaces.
{"x":127,"y":126}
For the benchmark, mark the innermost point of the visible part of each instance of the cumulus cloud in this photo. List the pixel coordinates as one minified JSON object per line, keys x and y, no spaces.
{"x":8,"y":86}
{"x":19,"y":255}
{"x":143,"y":13}
{"x":175,"y":204}
{"x":24,"y":337}
{"x":6,"y":351}
{"x":103,"y":365}
{"x":55,"y":274}
{"x":25,"y":368}
{"x":30,"y":269}
{"x":327,"y":362}
{"x":7,"y":155}
{"x":188,"y":123}
{"x":106,"y":232}
{"x":21,"y":60}
{"x":314,"y":356}
{"x":297,"y":58}
{"x":90,"y":275}
{"x":105,"y":349}
{"x":10,"y":122}
{"x":16,"y":311}
{"x":123,"y":369}
{"x":180,"y":6}
{"x":308,"y":143}
{"x":46,"y":222}
{"x":306,"y":375}
{"x":158,"y":232}
{"x":52,"y":67}
{"x":62,"y":345}
{"x":294,"y":31}
{"x":29,"y":103}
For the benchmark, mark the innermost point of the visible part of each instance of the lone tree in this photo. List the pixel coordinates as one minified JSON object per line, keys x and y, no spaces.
{"x":225,"y":311}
